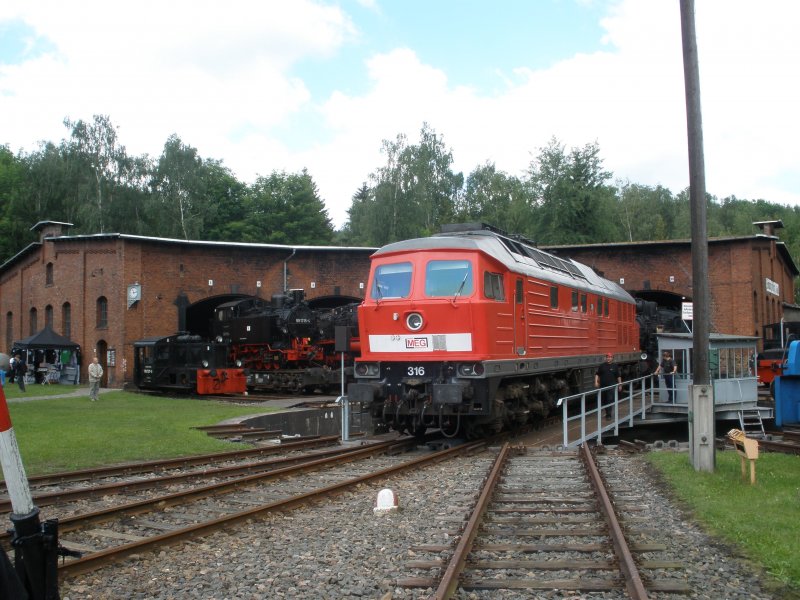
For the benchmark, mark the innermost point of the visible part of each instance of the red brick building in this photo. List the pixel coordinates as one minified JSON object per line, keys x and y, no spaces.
{"x":751,"y":279}
{"x":81,"y":286}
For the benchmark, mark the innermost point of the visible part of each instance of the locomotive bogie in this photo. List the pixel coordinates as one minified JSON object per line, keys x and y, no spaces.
{"x":294,"y":380}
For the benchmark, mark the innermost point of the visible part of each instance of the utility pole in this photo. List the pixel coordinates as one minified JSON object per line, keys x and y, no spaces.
{"x":701,"y":407}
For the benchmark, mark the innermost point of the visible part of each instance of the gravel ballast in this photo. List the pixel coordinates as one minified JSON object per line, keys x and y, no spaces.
{"x":342,"y":550}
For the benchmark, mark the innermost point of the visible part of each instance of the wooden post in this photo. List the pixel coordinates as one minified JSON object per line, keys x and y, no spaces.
{"x":748,"y":451}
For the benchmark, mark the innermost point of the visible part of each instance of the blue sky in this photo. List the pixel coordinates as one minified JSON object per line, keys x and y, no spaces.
{"x":269,"y":85}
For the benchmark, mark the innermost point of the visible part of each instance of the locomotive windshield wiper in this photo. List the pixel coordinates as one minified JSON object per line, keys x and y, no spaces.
{"x":461,"y":287}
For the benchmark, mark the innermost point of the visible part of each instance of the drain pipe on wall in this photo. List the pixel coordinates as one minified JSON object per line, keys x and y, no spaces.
{"x":286,"y":270}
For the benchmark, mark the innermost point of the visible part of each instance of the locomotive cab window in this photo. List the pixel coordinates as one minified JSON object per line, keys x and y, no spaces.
{"x":391,"y":281}
{"x":493,"y":286}
{"x":574,"y":301}
{"x":448,"y":278}
{"x":554,"y":297}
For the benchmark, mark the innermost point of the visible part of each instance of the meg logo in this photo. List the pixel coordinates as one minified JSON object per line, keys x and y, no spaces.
{"x":416,"y":342}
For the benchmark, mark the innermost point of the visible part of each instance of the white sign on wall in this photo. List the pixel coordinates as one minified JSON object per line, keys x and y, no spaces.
{"x":773,"y":287}
{"x":687,"y":311}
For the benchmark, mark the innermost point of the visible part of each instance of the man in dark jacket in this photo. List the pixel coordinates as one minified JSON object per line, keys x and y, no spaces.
{"x":667,"y":369}
{"x":20,"y":368}
{"x":12,"y":370}
{"x":608,"y":374}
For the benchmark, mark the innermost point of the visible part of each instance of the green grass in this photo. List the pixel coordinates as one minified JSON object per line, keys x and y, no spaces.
{"x":762,"y":520}
{"x":62,"y":434}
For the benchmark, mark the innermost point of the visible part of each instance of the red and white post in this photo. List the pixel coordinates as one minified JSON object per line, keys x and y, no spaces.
{"x":35,"y":546}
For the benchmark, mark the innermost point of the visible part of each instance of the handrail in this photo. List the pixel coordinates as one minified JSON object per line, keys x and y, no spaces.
{"x":639,"y":391}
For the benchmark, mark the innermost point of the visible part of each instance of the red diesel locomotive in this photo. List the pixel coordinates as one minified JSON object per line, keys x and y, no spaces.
{"x":473,"y":330}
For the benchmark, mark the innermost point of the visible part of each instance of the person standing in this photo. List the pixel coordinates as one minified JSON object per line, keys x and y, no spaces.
{"x":667,"y":369}
{"x":608,"y":374}
{"x":95,"y":375}
{"x":20,"y":368}
{"x":12,"y":369}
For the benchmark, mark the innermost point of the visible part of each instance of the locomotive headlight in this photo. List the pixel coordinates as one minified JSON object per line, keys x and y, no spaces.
{"x":414,"y":321}
{"x":470,"y":369}
{"x":239,"y":362}
{"x":367,"y":369}
{"x":205,"y":364}
{"x":219,"y":339}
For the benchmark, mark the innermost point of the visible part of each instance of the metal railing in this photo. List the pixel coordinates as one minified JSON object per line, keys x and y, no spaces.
{"x":587,"y":408}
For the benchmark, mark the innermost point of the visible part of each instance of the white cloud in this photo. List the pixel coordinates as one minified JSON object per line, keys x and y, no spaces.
{"x":222,"y":76}
{"x":211,"y":72}
{"x":629,"y":98}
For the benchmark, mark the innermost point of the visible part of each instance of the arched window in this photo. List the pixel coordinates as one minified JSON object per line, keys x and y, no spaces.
{"x":48,"y":274}
{"x":66,"y":319}
{"x":102,"y":312}
{"x":48,"y":316}
{"x":34,"y":321}
{"x":9,"y":330}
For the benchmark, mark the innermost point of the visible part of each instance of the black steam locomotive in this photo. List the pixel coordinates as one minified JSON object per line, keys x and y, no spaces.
{"x":287,"y":344}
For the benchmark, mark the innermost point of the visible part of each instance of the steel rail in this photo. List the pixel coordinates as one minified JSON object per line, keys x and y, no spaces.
{"x":173,"y":463}
{"x":449,"y":583}
{"x":120,"y":487}
{"x":773,"y":446}
{"x":77,"y":521}
{"x":104,"y":557}
{"x":633,"y":581}
{"x":784,"y":447}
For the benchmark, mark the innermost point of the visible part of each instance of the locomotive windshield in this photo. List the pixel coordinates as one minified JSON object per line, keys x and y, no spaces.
{"x":448,"y":278}
{"x":392,"y":281}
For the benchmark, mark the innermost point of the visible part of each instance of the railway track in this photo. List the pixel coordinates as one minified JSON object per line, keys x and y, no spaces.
{"x":165,"y":465}
{"x":546,"y":521}
{"x":187,"y":483}
{"x":110,"y":534}
{"x":789,"y":442}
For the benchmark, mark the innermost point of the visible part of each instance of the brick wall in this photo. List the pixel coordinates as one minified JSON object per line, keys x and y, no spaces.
{"x":737,"y":268}
{"x":87,"y":269}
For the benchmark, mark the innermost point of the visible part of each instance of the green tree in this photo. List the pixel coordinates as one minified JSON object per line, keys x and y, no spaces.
{"x":493,"y":197}
{"x":107,"y":169}
{"x":355,"y":230}
{"x":432,"y":185}
{"x":179,"y":191}
{"x":286,"y":209}
{"x":411,"y":195}
{"x":575,"y":204}
{"x":15,"y":210}
{"x":226,"y":194}
{"x":641,"y":211}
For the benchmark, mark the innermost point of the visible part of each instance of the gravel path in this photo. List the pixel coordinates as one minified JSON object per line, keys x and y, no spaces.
{"x":342,"y":550}
{"x":70,"y":392}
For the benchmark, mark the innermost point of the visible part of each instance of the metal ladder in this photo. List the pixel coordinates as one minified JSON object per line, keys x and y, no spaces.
{"x":751,"y":423}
